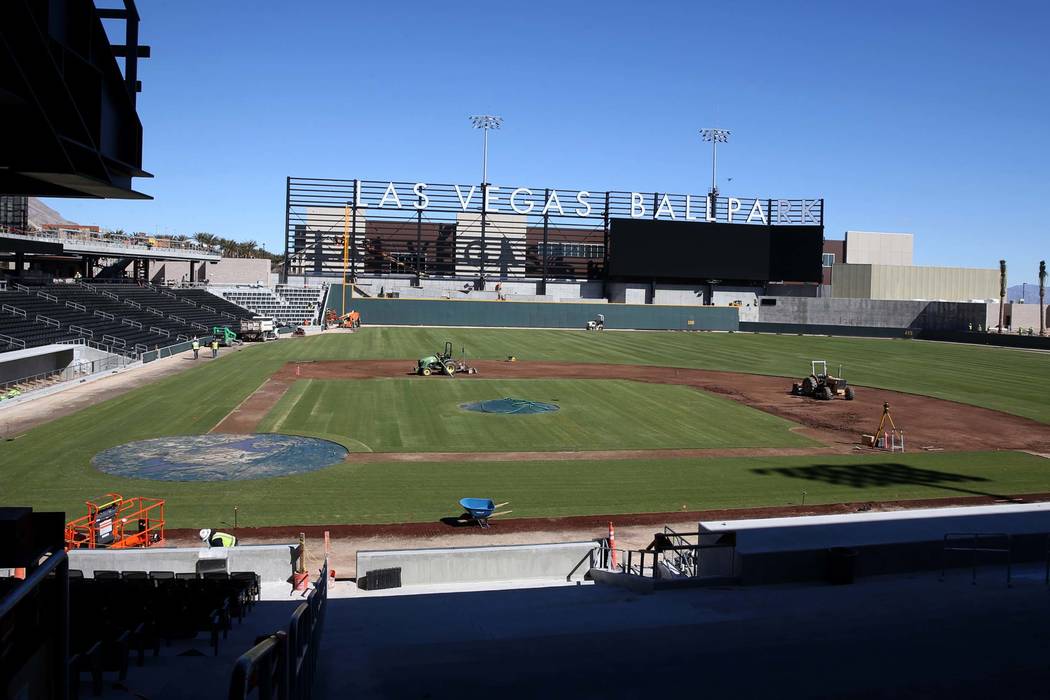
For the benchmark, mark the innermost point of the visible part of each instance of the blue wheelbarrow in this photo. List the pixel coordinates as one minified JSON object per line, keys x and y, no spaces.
{"x":481,"y":509}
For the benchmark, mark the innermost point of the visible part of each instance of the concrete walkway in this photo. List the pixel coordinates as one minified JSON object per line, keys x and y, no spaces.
{"x":901,"y":636}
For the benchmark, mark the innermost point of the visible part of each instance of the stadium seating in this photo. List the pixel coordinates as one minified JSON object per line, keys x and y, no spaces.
{"x":113,"y":615}
{"x":286,"y":304}
{"x":126,"y":319}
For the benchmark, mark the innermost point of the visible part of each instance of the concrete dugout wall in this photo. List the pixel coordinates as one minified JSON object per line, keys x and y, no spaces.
{"x":569,"y":561}
{"x":273,"y":562}
{"x":18,"y":364}
{"x":436,"y":312}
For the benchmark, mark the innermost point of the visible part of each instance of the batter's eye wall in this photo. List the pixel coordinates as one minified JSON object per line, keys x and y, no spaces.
{"x":675,"y":250}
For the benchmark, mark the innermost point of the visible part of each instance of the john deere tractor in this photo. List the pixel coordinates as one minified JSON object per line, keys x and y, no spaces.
{"x":441,"y":363}
{"x":821,"y":385}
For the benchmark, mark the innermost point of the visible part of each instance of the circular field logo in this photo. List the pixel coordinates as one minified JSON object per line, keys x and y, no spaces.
{"x":219,"y":457}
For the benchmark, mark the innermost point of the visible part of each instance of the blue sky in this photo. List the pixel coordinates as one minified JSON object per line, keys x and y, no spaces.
{"x":928,"y":117}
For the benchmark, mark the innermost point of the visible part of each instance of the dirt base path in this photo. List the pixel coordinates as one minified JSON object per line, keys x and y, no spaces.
{"x":927,"y":422}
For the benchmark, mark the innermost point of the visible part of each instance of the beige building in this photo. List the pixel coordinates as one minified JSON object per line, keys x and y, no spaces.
{"x":874,"y":248}
{"x":904,"y":282}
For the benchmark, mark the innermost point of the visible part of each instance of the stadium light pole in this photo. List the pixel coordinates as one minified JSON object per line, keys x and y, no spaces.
{"x":715,"y":136}
{"x":486,"y":122}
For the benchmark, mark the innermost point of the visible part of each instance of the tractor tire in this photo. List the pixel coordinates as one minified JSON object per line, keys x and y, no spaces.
{"x":809,"y":385}
{"x":796,"y":390}
{"x":425,"y":372}
{"x":450,"y":368}
{"x":825,"y":394}
{"x":849,"y":393}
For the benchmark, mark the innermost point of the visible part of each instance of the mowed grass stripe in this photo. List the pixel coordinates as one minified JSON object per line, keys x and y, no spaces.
{"x":424,"y":415}
{"x":1013,"y":381}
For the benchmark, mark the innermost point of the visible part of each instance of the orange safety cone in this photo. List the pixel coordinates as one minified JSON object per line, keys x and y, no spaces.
{"x":20,"y":573}
{"x":612,"y":545}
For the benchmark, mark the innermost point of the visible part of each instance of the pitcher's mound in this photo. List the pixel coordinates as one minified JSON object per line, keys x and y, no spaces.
{"x":219,"y":457}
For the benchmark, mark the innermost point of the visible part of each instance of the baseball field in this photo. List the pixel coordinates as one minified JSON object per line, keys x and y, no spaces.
{"x":647,"y":422}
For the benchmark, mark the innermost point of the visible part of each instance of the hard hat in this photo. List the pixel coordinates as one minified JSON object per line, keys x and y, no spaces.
{"x":205,"y":533}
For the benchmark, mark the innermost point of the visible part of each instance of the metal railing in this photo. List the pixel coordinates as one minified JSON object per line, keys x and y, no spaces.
{"x":104,"y":314}
{"x":284,"y":664}
{"x":15,"y":342}
{"x":14,"y":310}
{"x":159,"y":331}
{"x":21,"y":610}
{"x":671,"y":555}
{"x":131,"y":302}
{"x":980,"y":543}
{"x":45,"y":295}
{"x":48,"y":320}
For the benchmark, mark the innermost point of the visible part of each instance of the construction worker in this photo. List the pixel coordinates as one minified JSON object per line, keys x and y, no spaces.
{"x":214,"y":347}
{"x":601,"y":322}
{"x":196,"y":348}
{"x":214,"y":538}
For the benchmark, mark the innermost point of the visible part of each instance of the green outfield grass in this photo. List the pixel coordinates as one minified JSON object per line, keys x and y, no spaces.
{"x":49,"y":467}
{"x":412,"y":415}
{"x":425,"y":492}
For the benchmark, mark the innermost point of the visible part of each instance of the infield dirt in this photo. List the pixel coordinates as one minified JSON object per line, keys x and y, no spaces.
{"x":928,"y":423}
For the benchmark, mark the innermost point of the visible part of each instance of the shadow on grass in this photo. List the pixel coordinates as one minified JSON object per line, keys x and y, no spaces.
{"x":863,"y":476}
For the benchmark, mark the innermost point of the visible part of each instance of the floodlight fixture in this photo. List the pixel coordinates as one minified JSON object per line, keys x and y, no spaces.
{"x":714,"y":136}
{"x":485,"y":122}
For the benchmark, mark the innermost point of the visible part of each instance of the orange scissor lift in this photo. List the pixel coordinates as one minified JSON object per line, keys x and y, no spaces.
{"x":115,"y":522}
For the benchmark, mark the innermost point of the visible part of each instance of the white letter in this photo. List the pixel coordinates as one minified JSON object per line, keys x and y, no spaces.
{"x":422,"y":200}
{"x":710,"y":211}
{"x":807,"y":206}
{"x":555,"y":201}
{"x":357,"y":195}
{"x":581,"y":197}
{"x":391,"y":193}
{"x":513,"y":204}
{"x":732,"y":209}
{"x":489,"y":198}
{"x":783,"y":211}
{"x":664,"y":202}
{"x":689,"y":208}
{"x":637,"y":206}
{"x":465,"y":202}
{"x":756,"y":208}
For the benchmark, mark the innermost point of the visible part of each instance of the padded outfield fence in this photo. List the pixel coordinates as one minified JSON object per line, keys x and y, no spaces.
{"x":523,"y":314}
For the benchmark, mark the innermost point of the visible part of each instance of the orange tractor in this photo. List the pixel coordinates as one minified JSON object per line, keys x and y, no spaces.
{"x":115,"y":522}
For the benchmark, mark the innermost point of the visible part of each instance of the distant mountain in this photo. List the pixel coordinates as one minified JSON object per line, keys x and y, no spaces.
{"x":1027,"y":292}
{"x":40,"y":214}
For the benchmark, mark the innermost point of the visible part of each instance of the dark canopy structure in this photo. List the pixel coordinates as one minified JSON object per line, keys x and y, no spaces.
{"x":68,"y":123}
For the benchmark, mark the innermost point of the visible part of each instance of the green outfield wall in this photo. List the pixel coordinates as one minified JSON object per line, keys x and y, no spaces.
{"x":529,"y":314}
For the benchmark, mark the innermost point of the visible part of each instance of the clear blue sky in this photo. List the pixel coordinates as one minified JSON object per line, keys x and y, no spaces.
{"x":928,"y":117}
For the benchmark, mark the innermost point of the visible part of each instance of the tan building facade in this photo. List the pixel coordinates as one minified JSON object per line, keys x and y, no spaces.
{"x":853,"y":281}
{"x":874,"y":248}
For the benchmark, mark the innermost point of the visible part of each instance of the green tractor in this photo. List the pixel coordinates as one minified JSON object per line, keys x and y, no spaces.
{"x":441,"y":363}
{"x":224,"y":335}
{"x":821,"y":385}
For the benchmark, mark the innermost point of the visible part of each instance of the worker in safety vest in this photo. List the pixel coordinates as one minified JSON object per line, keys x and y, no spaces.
{"x":215,"y":347}
{"x":196,"y":348}
{"x":214,"y":538}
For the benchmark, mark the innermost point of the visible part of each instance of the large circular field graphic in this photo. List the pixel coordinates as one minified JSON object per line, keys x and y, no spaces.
{"x":219,"y":457}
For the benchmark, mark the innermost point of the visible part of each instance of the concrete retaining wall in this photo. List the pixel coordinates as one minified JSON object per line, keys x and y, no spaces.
{"x":931,"y":315}
{"x":436,"y":312}
{"x":273,"y":562}
{"x":18,"y":364}
{"x":569,"y":561}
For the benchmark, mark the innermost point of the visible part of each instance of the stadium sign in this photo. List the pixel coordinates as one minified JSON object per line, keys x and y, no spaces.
{"x":582,"y":204}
